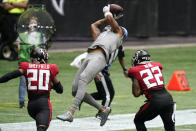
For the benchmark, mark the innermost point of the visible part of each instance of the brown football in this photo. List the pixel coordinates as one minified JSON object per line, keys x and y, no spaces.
{"x":115,"y":9}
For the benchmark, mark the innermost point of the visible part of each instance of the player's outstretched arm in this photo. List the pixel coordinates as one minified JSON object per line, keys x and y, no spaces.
{"x":111,"y":21}
{"x":11,"y":75}
{"x":57,"y":86}
{"x":122,"y":63}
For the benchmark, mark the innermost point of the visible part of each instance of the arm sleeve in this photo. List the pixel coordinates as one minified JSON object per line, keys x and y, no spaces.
{"x":57,"y":87}
{"x":10,"y":76}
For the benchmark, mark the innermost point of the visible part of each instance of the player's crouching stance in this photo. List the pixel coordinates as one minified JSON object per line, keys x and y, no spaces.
{"x":147,"y":79}
{"x":39,"y":77}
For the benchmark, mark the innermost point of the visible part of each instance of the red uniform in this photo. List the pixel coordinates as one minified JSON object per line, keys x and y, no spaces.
{"x":38,"y":79}
{"x":149,"y":76}
{"x":159,"y":102}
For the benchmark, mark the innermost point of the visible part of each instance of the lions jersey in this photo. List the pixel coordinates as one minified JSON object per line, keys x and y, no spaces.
{"x":109,"y":42}
{"x":38,"y":78}
{"x":149,"y":76}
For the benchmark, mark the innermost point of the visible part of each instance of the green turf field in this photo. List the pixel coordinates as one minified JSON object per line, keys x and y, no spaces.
{"x":172,"y":59}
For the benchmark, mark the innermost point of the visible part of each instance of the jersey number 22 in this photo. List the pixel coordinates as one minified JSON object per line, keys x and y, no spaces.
{"x":151,"y":75}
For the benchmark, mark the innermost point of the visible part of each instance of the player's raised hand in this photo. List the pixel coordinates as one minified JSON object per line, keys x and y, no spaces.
{"x":106,"y":10}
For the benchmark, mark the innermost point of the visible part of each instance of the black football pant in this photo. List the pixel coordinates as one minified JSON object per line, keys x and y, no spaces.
{"x":153,"y":108}
{"x":106,"y":95}
{"x":41,"y":111}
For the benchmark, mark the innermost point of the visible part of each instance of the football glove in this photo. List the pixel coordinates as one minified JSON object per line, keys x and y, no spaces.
{"x":106,"y":10}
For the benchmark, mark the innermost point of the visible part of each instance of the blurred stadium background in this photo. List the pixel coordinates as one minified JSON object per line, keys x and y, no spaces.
{"x":142,"y":18}
{"x":166,"y":20}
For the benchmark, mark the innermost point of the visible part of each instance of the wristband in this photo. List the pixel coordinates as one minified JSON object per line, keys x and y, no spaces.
{"x":108,"y":13}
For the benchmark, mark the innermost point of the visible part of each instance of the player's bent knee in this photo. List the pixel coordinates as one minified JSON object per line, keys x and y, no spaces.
{"x":84,"y":77}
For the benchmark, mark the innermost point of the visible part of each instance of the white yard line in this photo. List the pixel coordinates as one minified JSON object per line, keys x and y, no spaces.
{"x":115,"y":122}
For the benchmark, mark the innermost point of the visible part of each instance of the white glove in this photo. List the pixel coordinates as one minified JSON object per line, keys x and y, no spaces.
{"x":106,"y":10}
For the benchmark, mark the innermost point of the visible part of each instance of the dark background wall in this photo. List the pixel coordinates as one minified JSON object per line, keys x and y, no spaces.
{"x":142,"y":18}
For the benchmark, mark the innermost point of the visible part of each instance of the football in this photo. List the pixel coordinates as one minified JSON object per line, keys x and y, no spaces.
{"x":115,"y":9}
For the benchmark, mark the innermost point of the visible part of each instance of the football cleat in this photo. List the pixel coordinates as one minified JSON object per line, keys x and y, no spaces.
{"x":104,"y":115}
{"x":66,"y":117}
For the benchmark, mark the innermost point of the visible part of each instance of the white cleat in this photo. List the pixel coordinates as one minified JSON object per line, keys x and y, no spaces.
{"x":66,"y":117}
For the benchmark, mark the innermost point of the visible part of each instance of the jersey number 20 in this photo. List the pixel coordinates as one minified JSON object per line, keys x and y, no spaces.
{"x":150,"y":76}
{"x":42,"y":78}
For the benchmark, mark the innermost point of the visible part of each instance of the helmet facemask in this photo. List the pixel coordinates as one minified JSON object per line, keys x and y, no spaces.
{"x":117,"y":16}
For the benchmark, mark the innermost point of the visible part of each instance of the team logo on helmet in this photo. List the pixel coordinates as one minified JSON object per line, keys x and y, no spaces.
{"x":140,"y":56}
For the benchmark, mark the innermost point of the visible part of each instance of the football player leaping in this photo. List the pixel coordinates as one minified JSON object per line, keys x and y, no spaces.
{"x":99,"y":54}
{"x":147,"y":79}
{"x":39,"y":76}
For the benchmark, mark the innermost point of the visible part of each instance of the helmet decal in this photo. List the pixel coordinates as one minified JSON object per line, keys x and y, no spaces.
{"x":140,"y":56}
